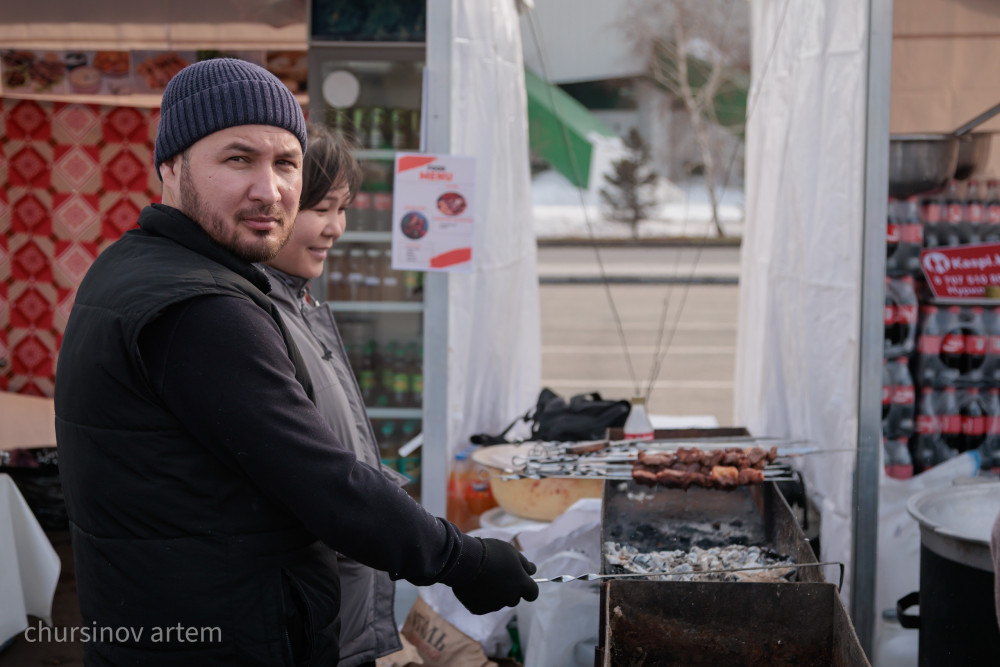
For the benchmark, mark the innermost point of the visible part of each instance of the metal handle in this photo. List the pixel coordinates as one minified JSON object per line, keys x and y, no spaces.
{"x":911,"y":621}
{"x":978,"y":120}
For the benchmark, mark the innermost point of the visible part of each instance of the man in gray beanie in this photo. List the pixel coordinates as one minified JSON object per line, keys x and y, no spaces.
{"x":205,"y":493}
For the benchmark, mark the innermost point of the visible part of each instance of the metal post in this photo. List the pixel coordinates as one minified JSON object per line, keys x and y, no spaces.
{"x":437,"y":115}
{"x":876,"y":193}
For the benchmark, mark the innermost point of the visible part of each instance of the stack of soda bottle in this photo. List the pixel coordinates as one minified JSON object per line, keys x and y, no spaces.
{"x":941,"y":372}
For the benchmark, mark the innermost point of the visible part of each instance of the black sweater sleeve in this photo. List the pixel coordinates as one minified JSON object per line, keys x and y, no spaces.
{"x":221,"y":367}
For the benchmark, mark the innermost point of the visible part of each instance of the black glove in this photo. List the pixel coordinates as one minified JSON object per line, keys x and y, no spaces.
{"x":503,"y":578}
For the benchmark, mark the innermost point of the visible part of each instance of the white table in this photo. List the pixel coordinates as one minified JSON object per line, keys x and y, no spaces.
{"x":29,"y":566}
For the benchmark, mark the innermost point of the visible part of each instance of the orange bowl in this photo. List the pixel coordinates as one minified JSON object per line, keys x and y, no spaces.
{"x":538,"y":499}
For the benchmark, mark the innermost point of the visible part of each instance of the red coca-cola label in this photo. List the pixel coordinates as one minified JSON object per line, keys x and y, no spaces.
{"x":950,"y":424}
{"x":382,"y":201}
{"x":893,"y":233}
{"x":927,"y":424}
{"x":932,"y":212}
{"x":975,"y":212}
{"x":931,"y":345}
{"x":993,"y":425}
{"x":992,"y":213}
{"x":889,"y":314}
{"x":953,"y":343}
{"x":362,"y":200}
{"x":899,"y":470}
{"x":903,"y":394}
{"x":953,"y":213}
{"x":906,"y":313}
{"x":975,"y":344}
{"x":913,"y":234}
{"x":973,"y":425}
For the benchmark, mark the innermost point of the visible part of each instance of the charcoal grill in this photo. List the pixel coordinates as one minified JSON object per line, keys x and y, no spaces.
{"x":647,"y":622}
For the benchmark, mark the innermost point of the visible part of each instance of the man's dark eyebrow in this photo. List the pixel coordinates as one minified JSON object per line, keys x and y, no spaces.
{"x":241,"y":147}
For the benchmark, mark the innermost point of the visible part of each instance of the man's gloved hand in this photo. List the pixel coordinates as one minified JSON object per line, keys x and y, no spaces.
{"x":503,"y":578}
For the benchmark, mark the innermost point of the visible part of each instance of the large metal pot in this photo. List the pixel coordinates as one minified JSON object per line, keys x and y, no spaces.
{"x":973,"y":153}
{"x":920,"y":163}
{"x":958,"y":619}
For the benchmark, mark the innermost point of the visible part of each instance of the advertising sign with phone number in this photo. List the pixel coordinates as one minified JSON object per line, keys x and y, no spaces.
{"x":433,"y":212}
{"x":961,"y":272}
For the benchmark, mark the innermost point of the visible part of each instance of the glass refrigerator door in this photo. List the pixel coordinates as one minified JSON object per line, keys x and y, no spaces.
{"x":373,"y":96}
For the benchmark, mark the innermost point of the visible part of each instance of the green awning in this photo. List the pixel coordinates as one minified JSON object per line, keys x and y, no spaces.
{"x":558,"y":127}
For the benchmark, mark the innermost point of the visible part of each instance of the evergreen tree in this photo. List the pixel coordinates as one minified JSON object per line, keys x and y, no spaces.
{"x":628,"y":199}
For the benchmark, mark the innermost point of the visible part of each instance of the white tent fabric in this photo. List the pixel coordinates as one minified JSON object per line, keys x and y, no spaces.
{"x":798,"y":328}
{"x":494,"y":358}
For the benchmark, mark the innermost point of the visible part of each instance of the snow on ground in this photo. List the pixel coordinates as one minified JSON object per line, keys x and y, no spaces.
{"x":563,"y":211}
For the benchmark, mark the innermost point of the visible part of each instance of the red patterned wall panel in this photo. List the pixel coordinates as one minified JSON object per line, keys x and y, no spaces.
{"x":73,"y":178}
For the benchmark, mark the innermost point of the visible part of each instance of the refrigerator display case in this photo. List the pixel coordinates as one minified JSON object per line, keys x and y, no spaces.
{"x":368,"y":85}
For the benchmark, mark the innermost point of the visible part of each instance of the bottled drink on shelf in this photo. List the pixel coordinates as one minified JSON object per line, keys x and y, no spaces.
{"x":991,"y":364}
{"x":991,"y":213}
{"x":377,"y":137}
{"x":399,"y":129}
{"x":897,"y":461}
{"x":911,"y":235}
{"x":392,"y":284}
{"x":973,"y":211}
{"x":927,"y":441}
{"x":388,"y":443}
{"x":887,"y":384}
{"x":973,"y":416}
{"x":373,"y":274}
{"x":929,"y":366}
{"x":932,"y":219}
{"x":952,"y":343}
{"x":950,"y":421}
{"x":906,"y":314}
{"x":457,"y":509}
{"x":415,"y":370}
{"x":889,"y":318}
{"x":989,"y":450}
{"x":954,"y":210}
{"x":903,"y":406}
{"x":415,"y":129}
{"x":360,"y":127}
{"x":359,"y":214}
{"x":894,"y":263}
{"x":400,"y":378}
{"x":974,"y":344}
{"x":410,"y":465}
{"x":367,"y":380}
{"x":387,"y":372}
{"x":355,"y":274}
{"x":637,"y":425}
{"x":336,"y":278}
{"x":381,"y":188}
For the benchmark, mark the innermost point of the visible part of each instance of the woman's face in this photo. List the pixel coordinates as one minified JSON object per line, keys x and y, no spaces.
{"x":315,"y":231}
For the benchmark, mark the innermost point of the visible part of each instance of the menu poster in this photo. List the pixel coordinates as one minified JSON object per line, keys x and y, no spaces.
{"x":433,"y":212}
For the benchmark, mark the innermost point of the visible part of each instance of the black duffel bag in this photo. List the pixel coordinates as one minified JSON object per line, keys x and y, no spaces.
{"x":584,"y":417}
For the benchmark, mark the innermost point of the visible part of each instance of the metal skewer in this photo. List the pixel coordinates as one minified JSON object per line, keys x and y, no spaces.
{"x":593,"y":576}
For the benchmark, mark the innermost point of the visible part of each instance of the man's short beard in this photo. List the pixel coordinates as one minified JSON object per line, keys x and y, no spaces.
{"x":194,"y":207}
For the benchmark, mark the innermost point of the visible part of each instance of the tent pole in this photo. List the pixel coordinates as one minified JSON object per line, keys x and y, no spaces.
{"x":866,"y":473}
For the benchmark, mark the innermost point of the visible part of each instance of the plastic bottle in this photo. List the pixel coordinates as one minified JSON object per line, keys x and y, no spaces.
{"x":400,"y":378}
{"x":373,"y":274}
{"x":360,"y":212}
{"x":637,"y":425}
{"x":890,"y":332}
{"x":359,"y":126}
{"x":381,"y":189}
{"x":392,"y":286}
{"x":336,"y":279}
{"x":355,"y":274}
{"x":410,"y":465}
{"x":886,"y":395}
{"x":974,"y":343}
{"x":893,"y":236}
{"x":387,"y":373}
{"x":952,"y":343}
{"x":912,"y":235}
{"x":973,"y":212}
{"x":457,"y":508}
{"x":954,"y":211}
{"x":991,"y":364}
{"x":991,"y":213}
{"x":931,"y":215}
{"x":415,"y":364}
{"x":973,"y":417}
{"x":906,"y":314}
{"x":389,"y":444}
{"x":929,"y":365}
{"x":951,"y":424}
{"x":903,"y":400}
{"x":366,"y":378}
{"x":989,"y":450}
{"x":928,"y":428}
{"x":898,"y":463}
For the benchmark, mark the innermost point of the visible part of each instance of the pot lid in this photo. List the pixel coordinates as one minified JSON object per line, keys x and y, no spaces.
{"x":964,"y":512}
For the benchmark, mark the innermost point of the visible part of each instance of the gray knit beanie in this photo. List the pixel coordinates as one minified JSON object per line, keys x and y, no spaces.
{"x":223,"y":92}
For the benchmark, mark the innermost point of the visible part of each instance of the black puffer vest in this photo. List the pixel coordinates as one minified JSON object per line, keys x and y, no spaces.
{"x":179,"y":560}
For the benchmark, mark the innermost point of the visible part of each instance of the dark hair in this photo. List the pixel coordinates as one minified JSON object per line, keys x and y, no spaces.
{"x":328,"y":163}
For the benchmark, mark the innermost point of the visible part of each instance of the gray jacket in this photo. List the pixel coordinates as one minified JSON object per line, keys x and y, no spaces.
{"x":368,"y":627}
